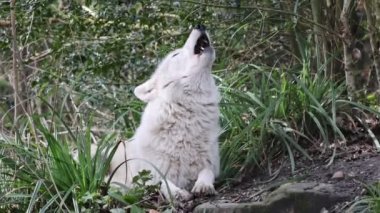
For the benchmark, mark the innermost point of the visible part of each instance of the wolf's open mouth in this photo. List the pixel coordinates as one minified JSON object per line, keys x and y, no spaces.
{"x":201,"y":44}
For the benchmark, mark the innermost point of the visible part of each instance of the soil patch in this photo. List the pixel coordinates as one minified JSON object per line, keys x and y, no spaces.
{"x":350,"y":172}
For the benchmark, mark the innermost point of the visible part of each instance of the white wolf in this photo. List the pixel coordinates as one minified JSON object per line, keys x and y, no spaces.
{"x":179,"y":128}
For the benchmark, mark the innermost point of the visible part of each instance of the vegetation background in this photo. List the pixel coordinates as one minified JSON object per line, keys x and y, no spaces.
{"x":292,"y":75}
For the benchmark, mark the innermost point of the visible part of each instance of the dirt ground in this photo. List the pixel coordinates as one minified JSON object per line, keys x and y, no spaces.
{"x":350,"y":166}
{"x":354,"y":167}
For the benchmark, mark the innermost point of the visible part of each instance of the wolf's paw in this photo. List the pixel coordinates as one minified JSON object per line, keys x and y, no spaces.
{"x":183,"y":195}
{"x":201,"y":188}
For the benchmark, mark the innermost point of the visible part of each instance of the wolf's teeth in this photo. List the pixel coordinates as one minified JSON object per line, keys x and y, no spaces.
{"x":202,"y":48}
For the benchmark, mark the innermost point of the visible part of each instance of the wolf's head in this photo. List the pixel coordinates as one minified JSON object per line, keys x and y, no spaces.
{"x":194,"y":58}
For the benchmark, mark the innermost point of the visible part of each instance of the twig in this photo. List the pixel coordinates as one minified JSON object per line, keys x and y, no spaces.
{"x":40,"y":56}
{"x":371,"y":134}
{"x":89,"y":11}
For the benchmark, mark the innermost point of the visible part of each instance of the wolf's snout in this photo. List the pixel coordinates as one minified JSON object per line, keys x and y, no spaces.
{"x":200,"y":27}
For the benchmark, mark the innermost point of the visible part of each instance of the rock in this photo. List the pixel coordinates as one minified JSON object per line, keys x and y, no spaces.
{"x":303,"y":197}
{"x":220,"y":207}
{"x":288,"y":198}
{"x":339,"y":175}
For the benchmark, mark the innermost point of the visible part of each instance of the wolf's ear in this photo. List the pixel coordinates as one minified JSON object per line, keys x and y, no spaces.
{"x":146,"y":91}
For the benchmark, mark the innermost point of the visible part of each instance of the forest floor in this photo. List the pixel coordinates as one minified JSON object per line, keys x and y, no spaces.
{"x":355,"y":166}
{"x":350,"y":176}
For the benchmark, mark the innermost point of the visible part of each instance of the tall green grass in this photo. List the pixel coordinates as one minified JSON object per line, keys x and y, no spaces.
{"x":45,"y":174}
{"x":42,"y":172}
{"x":267,"y":112}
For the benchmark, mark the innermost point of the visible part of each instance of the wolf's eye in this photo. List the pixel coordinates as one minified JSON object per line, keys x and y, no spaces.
{"x":175,"y":55}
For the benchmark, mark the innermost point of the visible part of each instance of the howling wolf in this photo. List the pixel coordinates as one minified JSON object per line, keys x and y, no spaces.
{"x":177,"y":139}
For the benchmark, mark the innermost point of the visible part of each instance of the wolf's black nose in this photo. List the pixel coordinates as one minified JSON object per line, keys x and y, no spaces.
{"x":200,"y":27}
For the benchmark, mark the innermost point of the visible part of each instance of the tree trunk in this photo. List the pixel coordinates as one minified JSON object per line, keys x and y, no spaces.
{"x":15,"y":72}
{"x":316,"y":8}
{"x":377,"y":13}
{"x":288,"y":6}
{"x":369,"y":6}
{"x":349,"y":67}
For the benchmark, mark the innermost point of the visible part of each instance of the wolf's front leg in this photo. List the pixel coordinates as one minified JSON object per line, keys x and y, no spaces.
{"x":205,"y":183}
{"x":172,"y":191}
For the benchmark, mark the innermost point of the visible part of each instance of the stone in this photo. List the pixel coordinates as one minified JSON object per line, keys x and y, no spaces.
{"x":303,"y":197}
{"x":338,"y":175}
{"x":220,"y":207}
{"x":288,"y":198}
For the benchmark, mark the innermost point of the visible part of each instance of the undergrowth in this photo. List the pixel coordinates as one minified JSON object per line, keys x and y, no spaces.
{"x":43,"y":172}
{"x":368,"y":203}
{"x":267,"y":112}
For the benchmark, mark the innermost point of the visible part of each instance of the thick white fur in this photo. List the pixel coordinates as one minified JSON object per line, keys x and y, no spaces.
{"x":179,"y":128}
